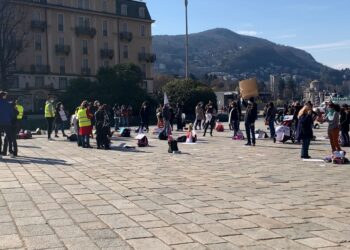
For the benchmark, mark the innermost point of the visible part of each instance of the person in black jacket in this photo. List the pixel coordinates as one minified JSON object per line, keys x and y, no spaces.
{"x":234,"y":118}
{"x":178,"y":116}
{"x":251,"y":115}
{"x":102,"y":128}
{"x":10,"y":141}
{"x":344,"y":125}
{"x":305,"y":133}
{"x":270,"y":118}
{"x":144,"y":116}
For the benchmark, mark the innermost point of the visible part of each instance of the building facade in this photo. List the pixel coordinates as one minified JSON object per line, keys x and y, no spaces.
{"x":74,"y":38}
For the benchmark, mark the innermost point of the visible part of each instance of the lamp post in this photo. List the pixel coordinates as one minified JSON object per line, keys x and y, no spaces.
{"x":186,"y":45}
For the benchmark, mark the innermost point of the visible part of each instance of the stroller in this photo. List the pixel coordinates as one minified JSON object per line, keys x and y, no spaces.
{"x":286,"y":131}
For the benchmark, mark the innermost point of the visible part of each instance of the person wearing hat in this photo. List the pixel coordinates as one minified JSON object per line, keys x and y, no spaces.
{"x":251,"y":115}
{"x":6,"y":116}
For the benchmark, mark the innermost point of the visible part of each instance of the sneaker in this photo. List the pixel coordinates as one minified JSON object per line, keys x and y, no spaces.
{"x":56,"y":136}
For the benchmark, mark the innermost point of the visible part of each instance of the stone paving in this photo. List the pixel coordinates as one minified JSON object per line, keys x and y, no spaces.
{"x":217,"y":194}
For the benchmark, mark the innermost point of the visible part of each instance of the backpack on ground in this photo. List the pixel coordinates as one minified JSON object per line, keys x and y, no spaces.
{"x":239,"y":136}
{"x":72,"y":138}
{"x":219,"y":127}
{"x":125,"y":132}
{"x":338,"y":157}
{"x":182,"y":138}
{"x":143,"y":142}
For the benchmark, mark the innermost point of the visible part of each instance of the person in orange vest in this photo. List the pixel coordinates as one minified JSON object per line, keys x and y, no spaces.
{"x":85,"y":128}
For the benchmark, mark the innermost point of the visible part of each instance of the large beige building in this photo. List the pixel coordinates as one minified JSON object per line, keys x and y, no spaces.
{"x":74,"y":38}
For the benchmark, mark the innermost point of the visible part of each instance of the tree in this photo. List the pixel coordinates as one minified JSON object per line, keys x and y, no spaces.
{"x":190,"y":92}
{"x":12,"y":38}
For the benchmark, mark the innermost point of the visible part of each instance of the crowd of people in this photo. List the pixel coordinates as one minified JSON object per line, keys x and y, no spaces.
{"x":93,"y":118}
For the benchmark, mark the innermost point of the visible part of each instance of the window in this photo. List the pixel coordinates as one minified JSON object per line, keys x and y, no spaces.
{"x":83,"y":21}
{"x":36,"y":16}
{"x":37,"y":42}
{"x":125,"y":27}
{"x":85,"y":63}
{"x":125,"y":51}
{"x":105,"y":45}
{"x":85,"y":47}
{"x":143,"y":33}
{"x":61,"y":41}
{"x":62,"y":82}
{"x":39,"y":82}
{"x":104,"y":6}
{"x":83,"y":4}
{"x":105,"y":28}
{"x":143,"y":50}
{"x":62,"y":65}
{"x":124,"y":10}
{"x":38,"y":60}
{"x":60,"y":22}
{"x":144,"y":70}
{"x":106,"y":64}
{"x":142,"y":12}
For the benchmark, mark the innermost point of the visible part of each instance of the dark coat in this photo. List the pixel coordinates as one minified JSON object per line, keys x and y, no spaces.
{"x":251,"y":114}
{"x":305,"y":127}
{"x":344,"y":121}
{"x":144,"y":114}
{"x":6,"y":112}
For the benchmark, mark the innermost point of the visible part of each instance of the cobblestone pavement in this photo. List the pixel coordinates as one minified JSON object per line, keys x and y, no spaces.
{"x":217,"y":194}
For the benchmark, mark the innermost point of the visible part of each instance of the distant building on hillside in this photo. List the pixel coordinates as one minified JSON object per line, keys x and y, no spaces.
{"x":274,"y":81}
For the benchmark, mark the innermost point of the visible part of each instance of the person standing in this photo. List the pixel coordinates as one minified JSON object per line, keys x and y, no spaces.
{"x":234,"y":118}
{"x":6,"y":115}
{"x":116,"y":116}
{"x":20,"y":110}
{"x":178,"y":116}
{"x":144,"y":117}
{"x":166,"y":116}
{"x":199,"y":116}
{"x":60,"y":119}
{"x":10,"y":141}
{"x":344,"y":125}
{"x":270,"y":119}
{"x":159,"y":115}
{"x":49,"y":116}
{"x":249,"y":121}
{"x":124,"y":116}
{"x":85,"y":129}
{"x":304,"y":132}
{"x":332,"y":117}
{"x":172,"y":117}
{"x":210,"y":114}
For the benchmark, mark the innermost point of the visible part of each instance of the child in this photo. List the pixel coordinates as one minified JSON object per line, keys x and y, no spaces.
{"x":191,"y":136}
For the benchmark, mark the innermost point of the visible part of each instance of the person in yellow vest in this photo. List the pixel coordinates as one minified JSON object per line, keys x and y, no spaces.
{"x":49,"y":116}
{"x":84,"y":121}
{"x":20,"y":110}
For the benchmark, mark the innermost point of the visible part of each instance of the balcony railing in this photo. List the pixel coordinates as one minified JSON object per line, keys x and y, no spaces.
{"x":38,"y":25}
{"x":86,"y":71}
{"x":107,"y":53}
{"x":62,"y":49}
{"x":34,"y":1}
{"x":147,"y":57}
{"x":125,"y":36}
{"x":40,"y":69}
{"x":85,"y":31}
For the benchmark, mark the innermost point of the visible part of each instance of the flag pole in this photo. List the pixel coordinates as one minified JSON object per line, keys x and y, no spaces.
{"x":186,"y":46}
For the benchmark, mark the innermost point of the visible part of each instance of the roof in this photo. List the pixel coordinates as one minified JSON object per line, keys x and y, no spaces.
{"x":133,"y":9}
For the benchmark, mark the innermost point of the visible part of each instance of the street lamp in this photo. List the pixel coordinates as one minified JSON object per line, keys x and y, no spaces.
{"x":186,"y":45}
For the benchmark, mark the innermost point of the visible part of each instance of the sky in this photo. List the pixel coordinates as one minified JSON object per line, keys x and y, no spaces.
{"x":321,"y":27}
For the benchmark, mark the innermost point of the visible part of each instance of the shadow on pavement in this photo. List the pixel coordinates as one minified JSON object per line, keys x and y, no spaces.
{"x":36,"y":160}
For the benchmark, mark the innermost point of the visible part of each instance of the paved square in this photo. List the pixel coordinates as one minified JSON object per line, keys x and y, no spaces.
{"x":217,"y":194}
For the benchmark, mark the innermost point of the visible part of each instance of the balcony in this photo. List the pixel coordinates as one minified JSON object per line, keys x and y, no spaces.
{"x":40,"y":69}
{"x":107,"y":53}
{"x":147,"y":57}
{"x":62,"y":49}
{"x":125,"y":36}
{"x":86,"y":71}
{"x":38,"y":25}
{"x":85,"y":31}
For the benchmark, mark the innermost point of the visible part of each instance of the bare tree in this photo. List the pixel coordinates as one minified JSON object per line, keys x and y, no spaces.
{"x":13,"y":35}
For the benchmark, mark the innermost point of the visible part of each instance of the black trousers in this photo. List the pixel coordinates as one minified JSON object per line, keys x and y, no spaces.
{"x":250,"y":131}
{"x":212,"y":126}
{"x":49,"y":126}
{"x":10,"y":142}
{"x":6,"y":129}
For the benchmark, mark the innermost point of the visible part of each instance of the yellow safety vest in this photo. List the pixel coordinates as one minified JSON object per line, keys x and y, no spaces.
{"x":84,"y":121}
{"x":49,"y":110}
{"x":20,"y":110}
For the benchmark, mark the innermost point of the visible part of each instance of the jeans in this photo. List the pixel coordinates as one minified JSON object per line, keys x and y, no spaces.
{"x":333,"y":135}
{"x":49,"y":126}
{"x":212,"y":126}
{"x":10,"y":142}
{"x":198,"y":123}
{"x":272,"y":128}
{"x":250,"y":130}
{"x":144,"y":124}
{"x":167,"y":127}
{"x":345,"y":135}
{"x":116,"y":123}
{"x":305,"y":147}
{"x":59,"y":126}
{"x":85,"y":141}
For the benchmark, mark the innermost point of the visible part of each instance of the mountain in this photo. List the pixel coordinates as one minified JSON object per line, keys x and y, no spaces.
{"x":222,"y":50}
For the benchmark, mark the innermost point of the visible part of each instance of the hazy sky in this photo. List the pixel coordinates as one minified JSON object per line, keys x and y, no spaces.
{"x":321,"y":27}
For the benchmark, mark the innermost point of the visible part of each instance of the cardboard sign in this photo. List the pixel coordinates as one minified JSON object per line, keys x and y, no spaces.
{"x":248,"y":88}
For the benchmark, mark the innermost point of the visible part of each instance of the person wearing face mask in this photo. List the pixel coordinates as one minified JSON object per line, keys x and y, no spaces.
{"x":60,"y":119}
{"x":49,"y":116}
